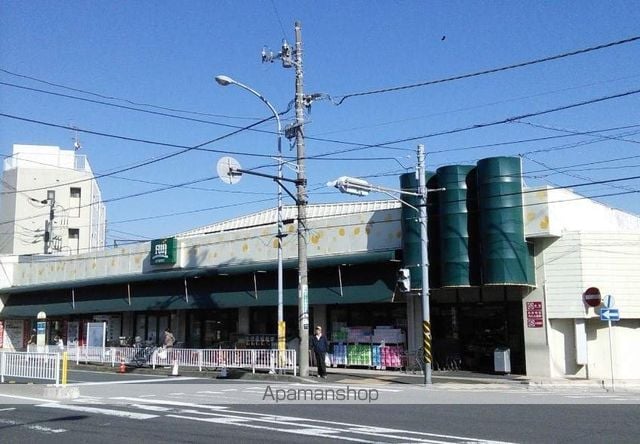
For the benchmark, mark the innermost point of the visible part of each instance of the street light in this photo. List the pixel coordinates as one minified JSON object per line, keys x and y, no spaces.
{"x":359,"y":187}
{"x":225,"y":81}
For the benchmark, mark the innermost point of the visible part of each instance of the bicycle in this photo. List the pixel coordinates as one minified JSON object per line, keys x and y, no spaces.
{"x":142,"y":356}
{"x":414,"y":361}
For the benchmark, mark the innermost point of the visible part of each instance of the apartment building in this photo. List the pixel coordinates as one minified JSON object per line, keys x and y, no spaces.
{"x":50,"y":203}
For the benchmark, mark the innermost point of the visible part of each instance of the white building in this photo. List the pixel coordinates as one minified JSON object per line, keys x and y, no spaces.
{"x":42,"y":187}
{"x":580,"y":244}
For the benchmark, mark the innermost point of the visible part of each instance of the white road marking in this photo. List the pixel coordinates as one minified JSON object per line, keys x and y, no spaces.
{"x":7,"y":409}
{"x":168,"y":402}
{"x":35,"y":427}
{"x":325,"y":430}
{"x":275,"y":429}
{"x":141,"y":375}
{"x":45,"y":429}
{"x":153,"y":408}
{"x":135,"y":381}
{"x":26,"y":398}
{"x":110,"y":412}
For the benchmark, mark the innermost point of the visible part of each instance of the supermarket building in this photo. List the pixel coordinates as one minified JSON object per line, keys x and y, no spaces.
{"x":508,"y":269}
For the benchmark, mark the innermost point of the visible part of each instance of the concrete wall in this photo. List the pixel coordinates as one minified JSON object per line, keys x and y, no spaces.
{"x":579,"y":260}
{"x":625,"y":340}
{"x":536,"y":340}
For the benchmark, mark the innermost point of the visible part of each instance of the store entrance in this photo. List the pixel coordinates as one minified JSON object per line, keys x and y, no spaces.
{"x":466,"y":335}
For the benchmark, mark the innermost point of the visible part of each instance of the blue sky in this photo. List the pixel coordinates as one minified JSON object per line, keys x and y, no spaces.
{"x":167,"y":53}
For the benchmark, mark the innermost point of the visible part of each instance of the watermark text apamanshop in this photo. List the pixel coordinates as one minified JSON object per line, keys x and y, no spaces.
{"x":340,"y":394}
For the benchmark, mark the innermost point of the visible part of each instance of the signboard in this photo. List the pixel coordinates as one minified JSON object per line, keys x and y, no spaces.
{"x":96,"y":332}
{"x":534,"y":314}
{"x":13,"y":334}
{"x":609,"y":314}
{"x":592,"y":297}
{"x":73,"y":333}
{"x":163,"y":251}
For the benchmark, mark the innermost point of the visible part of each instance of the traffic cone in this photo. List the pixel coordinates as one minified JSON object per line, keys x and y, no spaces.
{"x":174,"y":369}
{"x":122,"y":368}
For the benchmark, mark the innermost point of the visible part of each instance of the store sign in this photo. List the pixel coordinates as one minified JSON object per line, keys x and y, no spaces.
{"x":534,"y":315}
{"x":13,"y":334}
{"x":163,"y":251}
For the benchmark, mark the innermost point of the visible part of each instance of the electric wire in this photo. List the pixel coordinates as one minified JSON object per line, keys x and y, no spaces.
{"x":102,"y":96}
{"x":340,"y":99}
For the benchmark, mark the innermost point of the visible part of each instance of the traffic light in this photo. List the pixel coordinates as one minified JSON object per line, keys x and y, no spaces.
{"x":404,"y":280}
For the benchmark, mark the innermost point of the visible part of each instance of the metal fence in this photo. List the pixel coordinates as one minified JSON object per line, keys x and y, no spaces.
{"x":249,"y":359}
{"x":30,"y":365}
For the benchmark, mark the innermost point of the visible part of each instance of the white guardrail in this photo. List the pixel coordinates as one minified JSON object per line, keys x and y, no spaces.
{"x":30,"y":365}
{"x":249,"y":359}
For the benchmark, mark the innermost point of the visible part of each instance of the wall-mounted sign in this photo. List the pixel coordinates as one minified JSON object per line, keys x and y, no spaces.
{"x":163,"y":251}
{"x":534,"y":315}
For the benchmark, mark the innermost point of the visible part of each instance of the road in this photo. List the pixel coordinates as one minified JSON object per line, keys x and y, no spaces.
{"x":148,"y":408}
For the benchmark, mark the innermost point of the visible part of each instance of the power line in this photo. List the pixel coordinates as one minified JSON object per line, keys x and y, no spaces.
{"x":523,"y":116}
{"x":488,"y":124}
{"x":114,"y":105}
{"x":184,"y":150}
{"x":488,"y":71}
{"x":102,"y":96}
{"x":446,"y":132}
{"x":579,"y":133}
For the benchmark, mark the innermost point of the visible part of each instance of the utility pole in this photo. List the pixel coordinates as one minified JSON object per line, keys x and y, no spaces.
{"x":296,"y":131}
{"x":48,"y":224}
{"x":426,"y":315}
{"x":303,"y":282}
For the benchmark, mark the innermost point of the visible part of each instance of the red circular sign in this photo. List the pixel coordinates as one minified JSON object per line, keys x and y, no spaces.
{"x":592,"y":297}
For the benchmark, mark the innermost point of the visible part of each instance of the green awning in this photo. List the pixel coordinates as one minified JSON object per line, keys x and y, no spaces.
{"x":230,"y":269}
{"x":371,"y":282}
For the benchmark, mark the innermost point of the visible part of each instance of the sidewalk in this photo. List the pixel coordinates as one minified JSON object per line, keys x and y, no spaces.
{"x":374,"y":377}
{"x":454,"y":380}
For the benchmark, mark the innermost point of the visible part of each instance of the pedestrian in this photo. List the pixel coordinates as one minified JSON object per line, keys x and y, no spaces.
{"x":169,"y":339}
{"x":320,"y":347}
{"x":59,"y":342}
{"x":32,"y":340}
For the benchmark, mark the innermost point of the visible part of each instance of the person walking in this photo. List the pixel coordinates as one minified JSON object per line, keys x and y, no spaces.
{"x":31,"y":344}
{"x":320,"y":347}
{"x":169,"y":339}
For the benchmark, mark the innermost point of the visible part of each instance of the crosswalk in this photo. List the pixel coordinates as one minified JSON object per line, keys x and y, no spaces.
{"x":147,"y":408}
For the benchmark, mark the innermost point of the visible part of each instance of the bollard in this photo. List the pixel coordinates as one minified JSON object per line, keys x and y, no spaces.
{"x":174,"y":368}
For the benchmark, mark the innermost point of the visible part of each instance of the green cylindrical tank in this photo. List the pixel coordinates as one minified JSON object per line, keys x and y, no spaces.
{"x":433,"y":230}
{"x":411,"y":232}
{"x":458,"y":266}
{"x":505,"y":257}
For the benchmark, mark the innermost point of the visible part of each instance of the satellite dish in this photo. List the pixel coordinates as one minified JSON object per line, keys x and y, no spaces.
{"x":227,"y":170}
